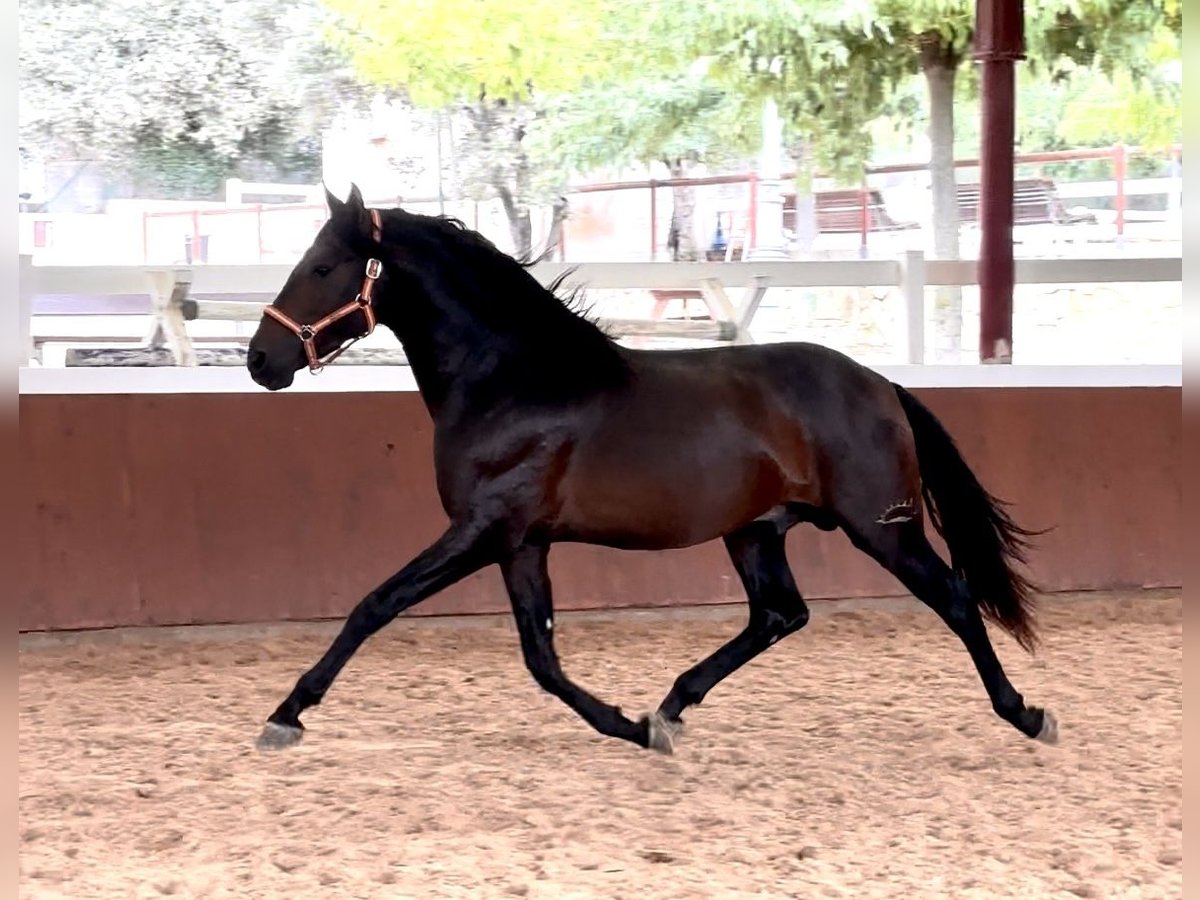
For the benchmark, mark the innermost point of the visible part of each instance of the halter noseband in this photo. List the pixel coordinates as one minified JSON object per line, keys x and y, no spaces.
{"x":308,"y":333}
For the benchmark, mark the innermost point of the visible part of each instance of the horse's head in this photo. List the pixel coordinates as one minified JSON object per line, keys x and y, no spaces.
{"x":328,"y":300}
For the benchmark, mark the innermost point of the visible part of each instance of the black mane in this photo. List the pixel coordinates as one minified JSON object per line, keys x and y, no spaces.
{"x":549,"y":329}
{"x":573,"y":299}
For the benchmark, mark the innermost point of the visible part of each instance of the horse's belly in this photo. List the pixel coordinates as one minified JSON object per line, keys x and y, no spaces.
{"x":664,"y":502}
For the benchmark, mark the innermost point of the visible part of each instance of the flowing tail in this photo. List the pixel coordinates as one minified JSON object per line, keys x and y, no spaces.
{"x":984,"y":543}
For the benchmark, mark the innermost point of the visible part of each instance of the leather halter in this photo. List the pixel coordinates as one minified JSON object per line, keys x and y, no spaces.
{"x":363,"y":302}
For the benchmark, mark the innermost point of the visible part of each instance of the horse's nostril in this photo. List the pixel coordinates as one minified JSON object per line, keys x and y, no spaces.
{"x":256,"y":360}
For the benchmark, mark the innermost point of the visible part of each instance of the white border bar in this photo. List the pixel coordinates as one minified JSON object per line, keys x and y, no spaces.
{"x":264,"y":281}
{"x":377,"y":379}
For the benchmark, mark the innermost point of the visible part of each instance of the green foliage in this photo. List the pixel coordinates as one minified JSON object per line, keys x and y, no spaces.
{"x":454,"y":51}
{"x":1068,"y":43}
{"x":179,"y":168}
{"x":1066,"y":36}
{"x":173,"y":94}
{"x":496,"y":157}
{"x":826,"y":77}
{"x":493,"y":65}
{"x":680,"y":120}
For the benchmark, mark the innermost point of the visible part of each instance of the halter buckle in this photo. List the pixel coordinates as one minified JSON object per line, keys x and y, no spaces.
{"x":374,"y":268}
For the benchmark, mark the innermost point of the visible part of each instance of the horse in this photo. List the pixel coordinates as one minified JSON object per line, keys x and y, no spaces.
{"x":547,"y":430}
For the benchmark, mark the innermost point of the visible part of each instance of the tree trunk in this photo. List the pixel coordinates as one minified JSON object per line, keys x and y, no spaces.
{"x":806,"y":202}
{"x":558,"y":215}
{"x":682,"y":232}
{"x":520,"y":226}
{"x":511,"y":188}
{"x":939,"y":64}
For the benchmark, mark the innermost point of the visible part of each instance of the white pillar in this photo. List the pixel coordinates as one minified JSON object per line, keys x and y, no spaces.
{"x":24,"y":310}
{"x":912,"y":286}
{"x":768,"y":222}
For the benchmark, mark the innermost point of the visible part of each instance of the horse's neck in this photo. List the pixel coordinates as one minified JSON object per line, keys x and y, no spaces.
{"x":448,"y":351}
{"x":453,"y":352}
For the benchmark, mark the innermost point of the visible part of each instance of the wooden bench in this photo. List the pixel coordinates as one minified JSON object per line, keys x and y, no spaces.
{"x":1035,"y":202}
{"x":841,"y":212}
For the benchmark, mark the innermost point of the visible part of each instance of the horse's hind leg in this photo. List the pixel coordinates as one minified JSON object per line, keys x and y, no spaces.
{"x":776,"y":610}
{"x":903,"y":549}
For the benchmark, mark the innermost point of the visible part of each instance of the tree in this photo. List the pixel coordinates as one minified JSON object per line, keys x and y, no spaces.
{"x":177,"y":94}
{"x":824,"y":78}
{"x":834,"y":67}
{"x":933,"y":38}
{"x":679,"y":122}
{"x":1145,"y":108}
{"x":492,"y":64}
{"x":494,"y":159}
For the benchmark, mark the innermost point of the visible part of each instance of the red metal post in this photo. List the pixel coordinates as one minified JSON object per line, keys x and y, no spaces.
{"x":1120,"y":163}
{"x":999,"y":43}
{"x":653,"y":222}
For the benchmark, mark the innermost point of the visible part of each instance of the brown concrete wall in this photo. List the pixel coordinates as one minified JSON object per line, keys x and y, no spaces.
{"x":204,"y":508}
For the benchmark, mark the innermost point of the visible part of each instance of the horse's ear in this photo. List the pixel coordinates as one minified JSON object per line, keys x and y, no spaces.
{"x":351,"y":218}
{"x":335,"y":205}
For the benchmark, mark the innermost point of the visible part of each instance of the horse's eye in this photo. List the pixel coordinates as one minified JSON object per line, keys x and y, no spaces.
{"x":322,"y":270}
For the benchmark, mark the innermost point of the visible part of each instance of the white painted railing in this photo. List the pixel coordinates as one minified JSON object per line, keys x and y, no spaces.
{"x":176,"y":295}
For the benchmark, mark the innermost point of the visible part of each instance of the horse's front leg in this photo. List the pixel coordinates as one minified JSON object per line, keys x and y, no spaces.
{"x":528,"y":583}
{"x":456,"y":554}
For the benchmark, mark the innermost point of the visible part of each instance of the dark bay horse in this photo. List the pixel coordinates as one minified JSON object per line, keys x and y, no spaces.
{"x":546,"y":429}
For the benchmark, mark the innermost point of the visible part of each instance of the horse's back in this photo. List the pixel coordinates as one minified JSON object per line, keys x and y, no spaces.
{"x":823,"y":388}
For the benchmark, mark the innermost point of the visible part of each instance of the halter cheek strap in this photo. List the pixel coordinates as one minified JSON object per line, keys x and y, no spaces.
{"x":363,"y":303}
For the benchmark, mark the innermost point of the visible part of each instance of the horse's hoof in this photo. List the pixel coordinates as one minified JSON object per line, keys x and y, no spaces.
{"x":1049,"y":730}
{"x":276,"y":737}
{"x":661,"y":735}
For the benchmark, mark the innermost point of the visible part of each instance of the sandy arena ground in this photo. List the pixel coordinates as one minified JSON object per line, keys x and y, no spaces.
{"x":859,"y":758}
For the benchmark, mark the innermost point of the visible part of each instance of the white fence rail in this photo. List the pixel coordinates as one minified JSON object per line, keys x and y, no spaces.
{"x":238,"y":292}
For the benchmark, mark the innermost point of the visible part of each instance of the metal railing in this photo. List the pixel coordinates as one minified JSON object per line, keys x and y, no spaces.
{"x":1118,"y":156}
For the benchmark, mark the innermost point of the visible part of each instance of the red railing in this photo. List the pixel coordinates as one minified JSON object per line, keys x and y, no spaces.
{"x":1118,"y":155}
